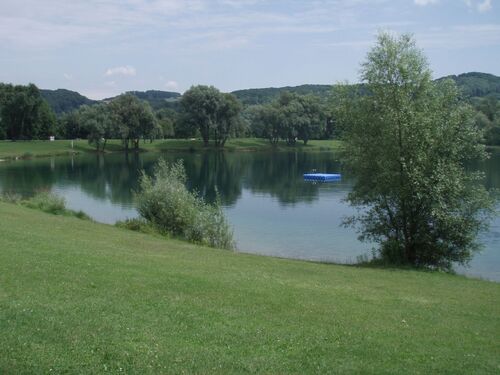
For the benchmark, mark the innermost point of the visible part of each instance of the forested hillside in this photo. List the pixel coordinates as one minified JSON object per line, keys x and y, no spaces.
{"x":62,"y":100}
{"x":476,"y":84}
{"x":266,"y":95}
{"x":157,"y":99}
{"x":472,"y":84}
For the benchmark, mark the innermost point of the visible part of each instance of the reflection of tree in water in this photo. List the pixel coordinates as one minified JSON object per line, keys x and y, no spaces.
{"x":110,"y":177}
{"x":491,"y":167}
{"x":213,"y":169}
{"x":114,"y":176}
{"x":26,"y":177}
{"x":101,"y":176}
{"x":280,"y":174}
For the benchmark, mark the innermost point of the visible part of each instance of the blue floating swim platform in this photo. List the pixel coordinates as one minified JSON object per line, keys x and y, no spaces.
{"x":322,"y":176}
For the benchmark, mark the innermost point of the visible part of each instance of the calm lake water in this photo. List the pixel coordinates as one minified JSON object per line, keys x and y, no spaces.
{"x":272,"y":210}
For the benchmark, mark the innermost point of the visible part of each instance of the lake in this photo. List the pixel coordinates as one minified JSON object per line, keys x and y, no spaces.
{"x":271,"y":209}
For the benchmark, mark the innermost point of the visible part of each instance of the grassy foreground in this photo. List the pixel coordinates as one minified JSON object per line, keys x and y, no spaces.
{"x":82,"y":297}
{"x":28,"y":149}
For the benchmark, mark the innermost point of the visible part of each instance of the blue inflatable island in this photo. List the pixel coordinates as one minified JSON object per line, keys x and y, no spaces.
{"x":322,"y":176}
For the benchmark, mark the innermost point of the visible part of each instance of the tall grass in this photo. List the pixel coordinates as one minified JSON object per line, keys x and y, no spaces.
{"x":44,"y":201}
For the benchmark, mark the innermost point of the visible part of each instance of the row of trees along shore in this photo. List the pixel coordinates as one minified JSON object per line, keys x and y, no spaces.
{"x":407,"y":141}
{"x":203,"y":112}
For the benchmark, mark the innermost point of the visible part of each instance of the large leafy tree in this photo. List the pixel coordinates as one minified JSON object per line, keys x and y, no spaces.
{"x":24,"y":114}
{"x":167,"y":119}
{"x":200,"y":105}
{"x":213,"y":113}
{"x":408,"y":142}
{"x":134,"y":119}
{"x":289,"y":117}
{"x":313,"y":118}
{"x":227,"y":118}
{"x":98,"y":122}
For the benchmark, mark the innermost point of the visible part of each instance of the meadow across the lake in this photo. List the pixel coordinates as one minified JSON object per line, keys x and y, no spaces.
{"x":30,"y":149}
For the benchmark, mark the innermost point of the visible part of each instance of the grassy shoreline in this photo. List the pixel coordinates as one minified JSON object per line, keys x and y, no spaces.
{"x":31,"y":149}
{"x":78,"y":296}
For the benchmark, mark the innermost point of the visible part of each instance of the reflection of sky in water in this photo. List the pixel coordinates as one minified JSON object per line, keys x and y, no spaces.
{"x":272,"y":211}
{"x":305,"y":230}
{"x":101,"y":210}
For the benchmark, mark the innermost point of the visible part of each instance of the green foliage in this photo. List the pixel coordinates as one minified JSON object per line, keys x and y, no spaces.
{"x":167,"y":121}
{"x":133,"y":118}
{"x":24,"y":114}
{"x":408,"y":143}
{"x":65,"y":101}
{"x":157,"y":99}
{"x":267,"y":95}
{"x":47,"y":202}
{"x":487,"y":118}
{"x":213,"y":113}
{"x":71,"y":125}
{"x":44,"y":201}
{"x":290,"y":117}
{"x":166,"y":204}
{"x":98,"y":122}
{"x":9,"y":197}
{"x":137,"y":225}
{"x":476,"y":84}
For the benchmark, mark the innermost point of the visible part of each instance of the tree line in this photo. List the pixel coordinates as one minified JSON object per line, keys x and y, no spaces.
{"x":201,"y":112}
{"x":24,"y":114}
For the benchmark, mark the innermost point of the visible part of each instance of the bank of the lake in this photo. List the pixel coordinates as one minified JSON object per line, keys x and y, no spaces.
{"x":83,"y":297}
{"x":31,"y":149}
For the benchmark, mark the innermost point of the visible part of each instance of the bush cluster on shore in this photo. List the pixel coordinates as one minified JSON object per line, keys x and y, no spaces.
{"x":44,"y":201}
{"x":166,"y":206}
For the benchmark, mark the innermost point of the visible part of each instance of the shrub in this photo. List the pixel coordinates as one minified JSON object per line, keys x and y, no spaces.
{"x":47,"y":202}
{"x":10,"y":197}
{"x":167,"y":205}
{"x":44,"y":201}
{"x":210,"y":227}
{"x":79,"y":214}
{"x":137,"y":225}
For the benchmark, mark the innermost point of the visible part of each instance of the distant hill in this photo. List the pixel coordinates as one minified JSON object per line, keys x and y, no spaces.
{"x":156,"y":98}
{"x":266,"y":95}
{"x":62,"y":100}
{"x":476,"y":84}
{"x":472,"y":84}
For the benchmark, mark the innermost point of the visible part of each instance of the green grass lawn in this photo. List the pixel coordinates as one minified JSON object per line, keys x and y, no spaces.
{"x":82,"y":297}
{"x":28,"y":149}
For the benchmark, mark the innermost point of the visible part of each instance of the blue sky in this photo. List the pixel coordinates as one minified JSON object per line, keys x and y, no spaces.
{"x":104,"y":47}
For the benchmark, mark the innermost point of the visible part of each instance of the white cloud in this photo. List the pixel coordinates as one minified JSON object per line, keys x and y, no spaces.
{"x":481,"y":6}
{"x":126,"y":70}
{"x":425,"y":2}
{"x":484,"y":6}
{"x":460,"y":36}
{"x":171,"y":85}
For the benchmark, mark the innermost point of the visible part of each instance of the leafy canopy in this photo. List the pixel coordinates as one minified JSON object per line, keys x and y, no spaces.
{"x":408,"y":142}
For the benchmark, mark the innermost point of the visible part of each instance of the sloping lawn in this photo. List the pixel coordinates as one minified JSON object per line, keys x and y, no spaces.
{"x":81,"y":297}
